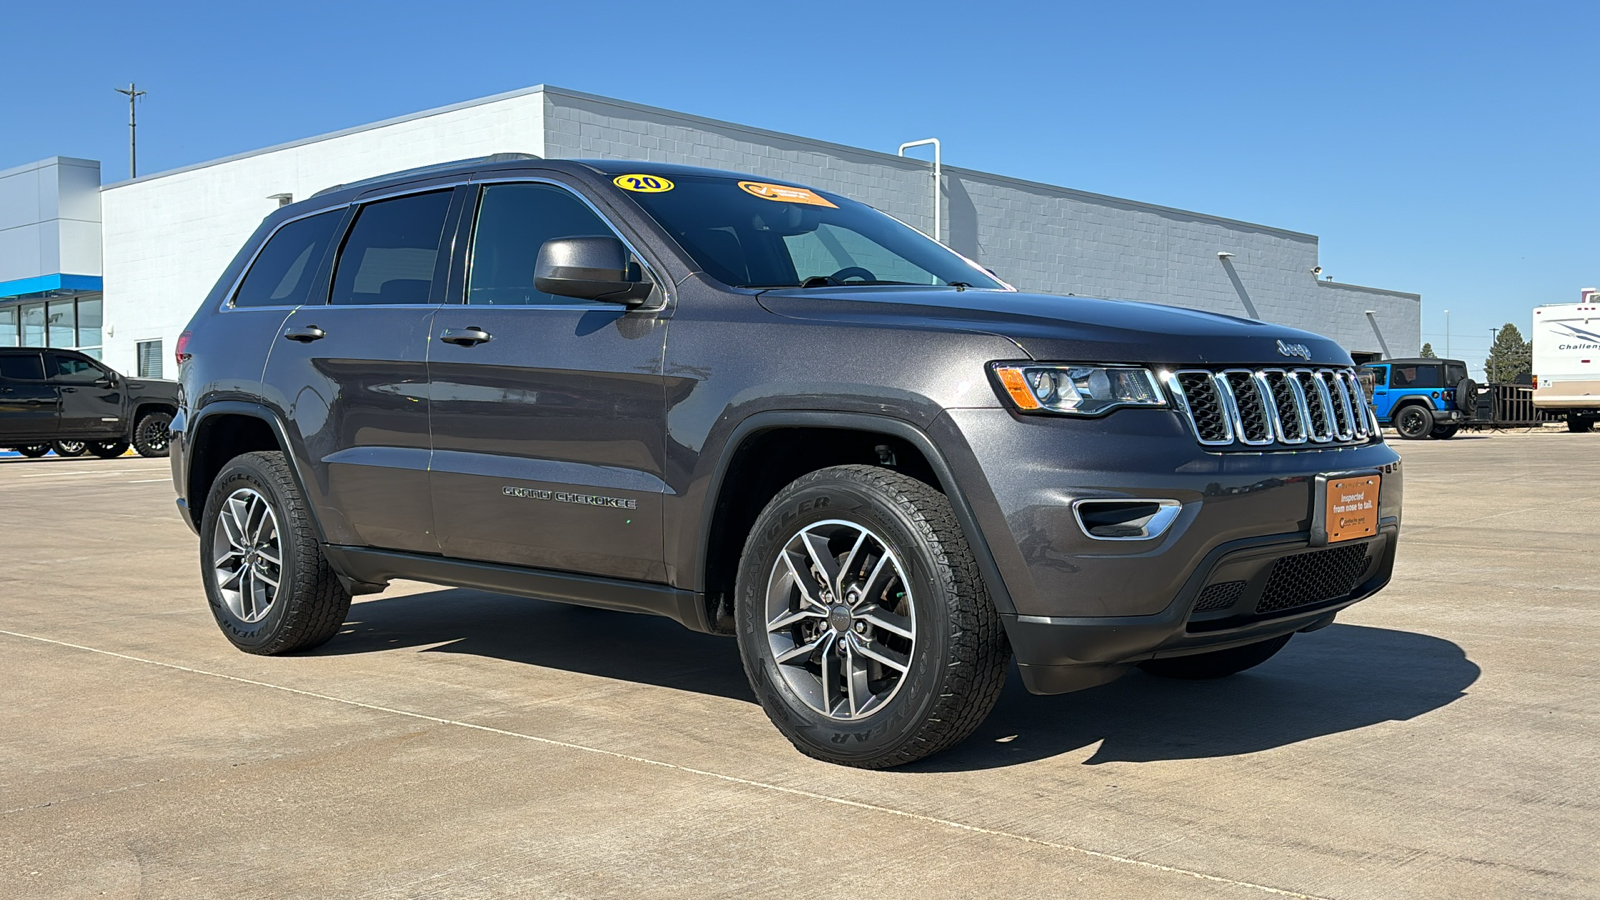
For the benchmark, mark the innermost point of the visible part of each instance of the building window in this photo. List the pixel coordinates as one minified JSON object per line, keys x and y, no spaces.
{"x":149,"y":359}
{"x":62,"y":316}
{"x":8,"y":327}
{"x":89,"y":319}
{"x":33,"y":324}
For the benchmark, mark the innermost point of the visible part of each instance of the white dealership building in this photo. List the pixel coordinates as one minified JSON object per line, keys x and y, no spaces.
{"x":167,"y":236}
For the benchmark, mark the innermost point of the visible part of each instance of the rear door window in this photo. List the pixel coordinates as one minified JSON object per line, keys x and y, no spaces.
{"x":283,"y":272}
{"x":514,"y":221}
{"x":392,"y":254}
{"x":21,"y":367}
{"x":1415,"y":377}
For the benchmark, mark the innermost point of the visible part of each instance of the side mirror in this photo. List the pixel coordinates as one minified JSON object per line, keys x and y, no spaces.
{"x":109,"y":380}
{"x":590,"y":268}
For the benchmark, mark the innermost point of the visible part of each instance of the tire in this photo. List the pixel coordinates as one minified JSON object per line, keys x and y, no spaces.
{"x":150,"y":434}
{"x":1444,"y":432}
{"x":1466,"y":396}
{"x":1579,"y":425}
{"x":70,"y":448}
{"x":255,"y":499}
{"x":931,"y":666}
{"x":34,"y":451}
{"x":1218,"y":663}
{"x":108,"y":449}
{"x":1413,"y":422}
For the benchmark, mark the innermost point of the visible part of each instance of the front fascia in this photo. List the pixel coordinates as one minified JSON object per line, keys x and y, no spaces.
{"x":1021,"y":473}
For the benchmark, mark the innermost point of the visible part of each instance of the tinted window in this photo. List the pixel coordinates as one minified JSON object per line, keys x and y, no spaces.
{"x":514,"y":221}
{"x":1418,"y":376}
{"x":392,"y":251}
{"x":21,"y":367}
{"x":1379,"y":374}
{"x":283,"y":272}
{"x":73,"y":370}
{"x":755,"y":234}
{"x":1453,"y":373}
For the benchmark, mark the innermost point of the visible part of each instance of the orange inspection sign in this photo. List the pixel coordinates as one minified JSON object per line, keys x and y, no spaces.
{"x":1352,"y":508}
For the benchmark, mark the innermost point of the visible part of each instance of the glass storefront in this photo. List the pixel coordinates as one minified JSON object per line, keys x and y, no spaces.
{"x":71,"y":322}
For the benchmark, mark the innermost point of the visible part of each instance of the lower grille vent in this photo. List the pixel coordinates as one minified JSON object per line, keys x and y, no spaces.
{"x":1315,"y":577}
{"x":1219,"y":596}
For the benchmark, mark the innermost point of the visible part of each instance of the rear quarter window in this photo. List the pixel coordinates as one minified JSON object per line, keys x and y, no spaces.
{"x":283,"y":272}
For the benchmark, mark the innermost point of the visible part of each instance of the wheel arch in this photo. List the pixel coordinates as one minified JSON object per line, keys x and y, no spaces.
{"x":769,"y":450}
{"x":226,"y":429}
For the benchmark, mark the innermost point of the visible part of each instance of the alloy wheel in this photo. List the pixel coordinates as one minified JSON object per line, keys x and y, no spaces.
{"x":153,"y":432}
{"x":250,"y":563}
{"x":840,"y":619}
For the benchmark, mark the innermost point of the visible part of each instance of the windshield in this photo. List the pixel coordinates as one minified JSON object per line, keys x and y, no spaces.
{"x":753,"y":234}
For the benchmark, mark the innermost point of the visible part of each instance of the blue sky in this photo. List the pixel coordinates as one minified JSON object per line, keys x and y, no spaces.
{"x":1448,"y":149}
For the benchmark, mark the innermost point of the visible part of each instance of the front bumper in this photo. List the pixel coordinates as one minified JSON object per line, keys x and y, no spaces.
{"x":1080,"y":611}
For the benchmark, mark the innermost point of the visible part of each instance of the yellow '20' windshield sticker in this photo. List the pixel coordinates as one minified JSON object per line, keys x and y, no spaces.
{"x":642,"y":184}
{"x":785,"y":194}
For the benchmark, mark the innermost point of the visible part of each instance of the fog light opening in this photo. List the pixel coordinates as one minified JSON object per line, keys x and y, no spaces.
{"x":1125,"y":520}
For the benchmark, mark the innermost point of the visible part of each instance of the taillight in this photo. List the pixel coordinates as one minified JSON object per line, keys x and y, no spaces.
{"x":180,"y":352}
{"x":1536,"y":382}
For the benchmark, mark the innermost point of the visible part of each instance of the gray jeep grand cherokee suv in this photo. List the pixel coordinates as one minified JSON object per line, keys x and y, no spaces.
{"x":770,"y":412}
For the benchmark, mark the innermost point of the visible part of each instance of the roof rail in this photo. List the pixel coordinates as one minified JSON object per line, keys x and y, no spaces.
{"x":423,"y":170}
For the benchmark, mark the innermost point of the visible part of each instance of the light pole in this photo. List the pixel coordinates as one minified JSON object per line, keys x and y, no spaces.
{"x":1447,"y":334}
{"x":1494,"y":336}
{"x":133,"y":124}
{"x":937,"y":175}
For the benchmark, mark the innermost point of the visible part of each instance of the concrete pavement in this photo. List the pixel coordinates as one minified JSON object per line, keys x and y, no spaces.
{"x":1437,"y":742}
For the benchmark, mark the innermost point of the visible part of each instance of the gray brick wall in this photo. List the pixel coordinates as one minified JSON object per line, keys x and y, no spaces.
{"x":1038,"y":237}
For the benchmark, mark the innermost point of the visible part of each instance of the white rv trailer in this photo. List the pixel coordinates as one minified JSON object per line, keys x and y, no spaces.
{"x":1566,"y":360}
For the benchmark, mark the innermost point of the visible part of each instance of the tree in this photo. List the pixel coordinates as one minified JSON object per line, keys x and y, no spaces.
{"x":1427,"y":352}
{"x":1510,"y":357}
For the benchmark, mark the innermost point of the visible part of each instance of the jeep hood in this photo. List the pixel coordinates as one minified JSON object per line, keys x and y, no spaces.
{"x":1076,"y":329}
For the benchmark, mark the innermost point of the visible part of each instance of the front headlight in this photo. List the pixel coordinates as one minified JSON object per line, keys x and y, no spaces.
{"x":1079,"y":390}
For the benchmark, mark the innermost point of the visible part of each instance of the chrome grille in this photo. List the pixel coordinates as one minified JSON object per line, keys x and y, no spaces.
{"x":1263,"y":407}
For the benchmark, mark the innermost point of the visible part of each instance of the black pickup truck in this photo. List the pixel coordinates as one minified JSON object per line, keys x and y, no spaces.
{"x":72,"y":403}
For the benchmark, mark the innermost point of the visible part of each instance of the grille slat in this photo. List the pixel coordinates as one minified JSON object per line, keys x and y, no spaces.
{"x":1315,"y":577}
{"x":1261,"y":407}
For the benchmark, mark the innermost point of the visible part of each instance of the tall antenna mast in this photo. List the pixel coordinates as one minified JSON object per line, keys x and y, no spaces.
{"x":133,"y":125}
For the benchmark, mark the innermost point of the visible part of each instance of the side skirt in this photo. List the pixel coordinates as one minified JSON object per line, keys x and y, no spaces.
{"x":368,"y":567}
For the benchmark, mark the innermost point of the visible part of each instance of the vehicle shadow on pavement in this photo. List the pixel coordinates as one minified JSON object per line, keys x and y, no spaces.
{"x":619,"y":645}
{"x":1342,"y":678}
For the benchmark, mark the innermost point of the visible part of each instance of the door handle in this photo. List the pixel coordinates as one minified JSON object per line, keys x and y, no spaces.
{"x":305,"y":335}
{"x":69,"y":390}
{"x":471,"y":336}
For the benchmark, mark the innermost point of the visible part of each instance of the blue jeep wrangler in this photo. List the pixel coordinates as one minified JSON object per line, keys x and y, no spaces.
{"x":1420,"y":398}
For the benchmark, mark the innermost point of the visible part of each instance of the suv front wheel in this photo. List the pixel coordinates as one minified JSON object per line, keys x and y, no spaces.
{"x":1413,"y":422}
{"x":270,"y":588}
{"x":864,"y":626}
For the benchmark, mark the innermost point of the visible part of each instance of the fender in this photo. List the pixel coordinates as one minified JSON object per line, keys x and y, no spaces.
{"x":768,"y":420}
{"x":252,"y":410}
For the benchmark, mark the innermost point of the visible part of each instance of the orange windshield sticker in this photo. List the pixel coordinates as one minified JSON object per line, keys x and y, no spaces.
{"x":785,"y":194}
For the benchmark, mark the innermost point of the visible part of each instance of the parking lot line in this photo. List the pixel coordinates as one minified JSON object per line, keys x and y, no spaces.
{"x":704,"y":773}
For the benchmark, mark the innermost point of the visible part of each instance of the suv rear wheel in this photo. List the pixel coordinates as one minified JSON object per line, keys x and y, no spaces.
{"x":70,"y":448}
{"x":34,"y":451}
{"x":1414,"y":422}
{"x":1218,"y":663}
{"x":270,"y":588}
{"x":1444,"y":432}
{"x":864,"y":626}
{"x":150,"y":434}
{"x":1579,"y":424}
